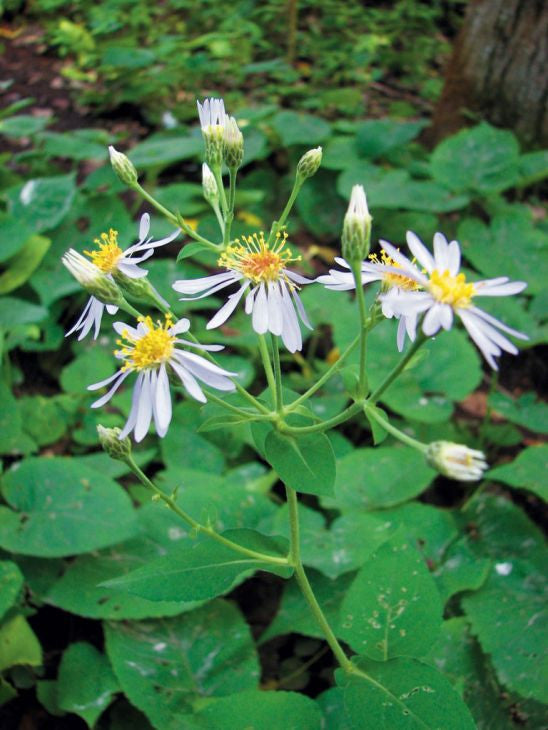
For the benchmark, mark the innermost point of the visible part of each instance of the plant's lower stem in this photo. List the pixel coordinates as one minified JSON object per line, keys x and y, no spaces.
{"x":304,"y":584}
{"x":325,"y":377}
{"x":174,"y":507}
{"x":373,"y":413}
{"x":393,"y":374}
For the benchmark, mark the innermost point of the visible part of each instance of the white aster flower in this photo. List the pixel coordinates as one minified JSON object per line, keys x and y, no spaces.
{"x":212,"y":115}
{"x":149,"y":350}
{"x":456,"y":461}
{"x":105,"y":264}
{"x":446,"y":292}
{"x":272,"y":300}
{"x":388,"y":272}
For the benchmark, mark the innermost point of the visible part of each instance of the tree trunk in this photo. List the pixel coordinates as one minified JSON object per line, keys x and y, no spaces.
{"x":498,"y":71}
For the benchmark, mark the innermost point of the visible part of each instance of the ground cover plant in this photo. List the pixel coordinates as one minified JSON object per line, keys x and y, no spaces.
{"x":159,"y":582}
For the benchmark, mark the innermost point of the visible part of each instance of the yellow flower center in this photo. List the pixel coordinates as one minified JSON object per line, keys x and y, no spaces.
{"x":148,"y":350}
{"x":450,"y":289}
{"x":106,"y":258}
{"x":390,"y":279}
{"x":256,"y":260}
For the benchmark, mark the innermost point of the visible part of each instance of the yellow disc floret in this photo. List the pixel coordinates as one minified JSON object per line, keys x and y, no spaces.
{"x":452,"y":290}
{"x":389,"y":278}
{"x":148,"y":350}
{"x":256,"y":260}
{"x":109,"y":253}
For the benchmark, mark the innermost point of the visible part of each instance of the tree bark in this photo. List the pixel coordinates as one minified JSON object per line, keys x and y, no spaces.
{"x":498,"y":71}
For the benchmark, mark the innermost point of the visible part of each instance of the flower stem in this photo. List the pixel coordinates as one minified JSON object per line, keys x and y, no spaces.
{"x":325,"y":377}
{"x":393,"y":374}
{"x":265,"y":356}
{"x":234,"y":409}
{"x":221,"y":188}
{"x":277,"y":373}
{"x":372,"y":412}
{"x":277,"y":225}
{"x":324,"y":425}
{"x":304,"y":584}
{"x":197,"y":526}
{"x":360,"y":297}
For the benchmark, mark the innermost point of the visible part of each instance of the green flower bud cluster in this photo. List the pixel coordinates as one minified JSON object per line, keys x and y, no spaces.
{"x":309,"y":163}
{"x":233,"y":144}
{"x":123,"y":167}
{"x":114,"y":446}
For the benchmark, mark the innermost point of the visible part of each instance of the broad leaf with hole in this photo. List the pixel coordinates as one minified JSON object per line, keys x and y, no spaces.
{"x":393,"y":607}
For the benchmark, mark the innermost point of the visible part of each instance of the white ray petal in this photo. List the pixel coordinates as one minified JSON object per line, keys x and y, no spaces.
{"x":189,"y":382}
{"x":135,"y":398}
{"x":260,"y":311}
{"x":161,"y":403}
{"x":144,"y":409}
{"x":228,"y":307}
{"x":420,"y":252}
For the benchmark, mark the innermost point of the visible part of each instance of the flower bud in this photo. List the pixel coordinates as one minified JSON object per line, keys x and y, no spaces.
{"x":140,"y":289}
{"x":456,"y":461}
{"x":356,"y":235}
{"x":213,"y":119}
{"x":309,"y":163}
{"x":92,"y":279}
{"x":113,"y":445}
{"x":123,"y":167}
{"x":209,"y":185}
{"x":233,"y":144}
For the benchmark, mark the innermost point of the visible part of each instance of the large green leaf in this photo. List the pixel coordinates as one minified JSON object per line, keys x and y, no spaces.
{"x":79,"y":144}
{"x":295,"y":128}
{"x":14,"y":312}
{"x":183,"y":447}
{"x":161,"y":151}
{"x":14,"y":233}
{"x":526,"y":410}
{"x":86,"y":682}
{"x":79,"y":590}
{"x":393,"y":607}
{"x":11,"y":580}
{"x":59,"y":507}
{"x":12,"y":439}
{"x":24,"y":263}
{"x":484,"y":159}
{"x":260,"y":710}
{"x":43,"y":202}
{"x":168,"y":667}
{"x":375,"y":137}
{"x":202,"y":571}
{"x":18,"y":644}
{"x":509,"y":617}
{"x":528,"y":471}
{"x":380,"y":477}
{"x":304,"y":463}
{"x":320,"y":208}
{"x":461,"y":570}
{"x":402,"y":694}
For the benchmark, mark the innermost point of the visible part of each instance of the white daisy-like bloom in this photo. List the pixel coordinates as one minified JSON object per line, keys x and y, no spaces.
{"x":445,"y":292}
{"x":150,"y":350}
{"x":271,"y":289}
{"x":388,"y":272}
{"x":212,"y":115}
{"x":105,"y":263}
{"x":456,"y":461}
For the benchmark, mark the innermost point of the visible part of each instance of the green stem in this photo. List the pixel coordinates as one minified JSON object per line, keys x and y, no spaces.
{"x":198,"y":527}
{"x":126,"y":306}
{"x":221,"y":188}
{"x":360,"y":298}
{"x":177,"y":220}
{"x":304,"y":584}
{"x":277,"y":373}
{"x":393,"y":374}
{"x":229,"y":407}
{"x":324,"y":425}
{"x":265,"y":356}
{"x":325,"y":377}
{"x":277,"y":225}
{"x":373,"y":413}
